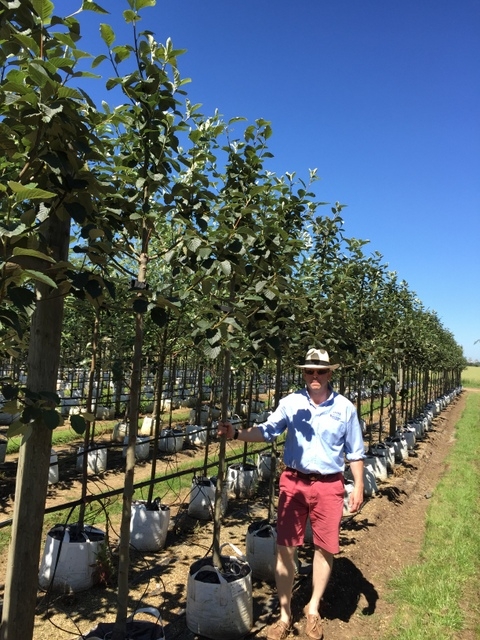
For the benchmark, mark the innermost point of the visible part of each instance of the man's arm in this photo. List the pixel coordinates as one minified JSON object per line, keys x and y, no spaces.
{"x":252,"y":434}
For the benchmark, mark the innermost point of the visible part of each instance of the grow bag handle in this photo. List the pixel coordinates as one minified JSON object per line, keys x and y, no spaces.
{"x":153,"y":611}
{"x":235,"y":549}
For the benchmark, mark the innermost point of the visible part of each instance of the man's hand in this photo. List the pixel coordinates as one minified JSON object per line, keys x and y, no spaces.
{"x":355,"y":500}
{"x":225,"y":429}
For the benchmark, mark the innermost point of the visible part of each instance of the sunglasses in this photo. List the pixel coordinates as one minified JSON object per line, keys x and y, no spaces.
{"x":320,"y":372}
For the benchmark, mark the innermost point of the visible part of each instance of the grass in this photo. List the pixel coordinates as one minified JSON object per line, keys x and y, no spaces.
{"x":471,"y":377}
{"x":62,"y":436}
{"x":437,"y":597}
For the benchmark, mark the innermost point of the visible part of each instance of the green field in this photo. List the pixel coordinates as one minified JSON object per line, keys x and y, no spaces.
{"x":437,"y":598}
{"x":471,"y":377}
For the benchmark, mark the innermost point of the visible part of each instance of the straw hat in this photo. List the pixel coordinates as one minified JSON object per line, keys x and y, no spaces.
{"x":317,"y":359}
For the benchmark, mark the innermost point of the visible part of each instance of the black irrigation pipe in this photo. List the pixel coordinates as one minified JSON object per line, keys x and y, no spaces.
{"x":139,"y":485}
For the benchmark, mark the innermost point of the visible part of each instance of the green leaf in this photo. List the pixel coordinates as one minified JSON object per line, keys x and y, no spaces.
{"x":98,"y":60}
{"x":18,"y":251}
{"x":41,"y":277}
{"x":232,"y":322}
{"x":193,"y":244}
{"x":77,"y":211}
{"x":211,"y":352}
{"x":226,"y":267}
{"x":85,"y":74}
{"x":107,"y":34}
{"x":112,"y":83}
{"x":44,"y":8}
{"x":11,"y":407}
{"x":30,"y":413}
{"x":22,"y":297}
{"x":130,"y":16}
{"x":18,"y":428}
{"x":68,"y":92}
{"x":93,"y":288}
{"x":9,"y":392}
{"x":51,"y":418}
{"x":213,"y":336}
{"x":38,"y":74}
{"x":28,"y":217}
{"x":88,"y":5}
{"x":141,"y":4}
{"x":50,"y":396}
{"x":11,"y":319}
{"x":27,"y":43}
{"x":121,"y":53}
{"x":159,"y":316}
{"x":78,"y":424}
{"x":140,"y":305}
{"x":269,"y":294}
{"x":25,"y":192}
{"x":110,"y":287}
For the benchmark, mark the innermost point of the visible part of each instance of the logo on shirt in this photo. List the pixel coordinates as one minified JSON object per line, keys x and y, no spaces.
{"x":336,"y":415}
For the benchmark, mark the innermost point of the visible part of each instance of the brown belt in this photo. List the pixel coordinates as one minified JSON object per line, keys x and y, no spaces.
{"x":313,"y":477}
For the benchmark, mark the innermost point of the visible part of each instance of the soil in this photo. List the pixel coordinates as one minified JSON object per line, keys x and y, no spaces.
{"x":376,"y":544}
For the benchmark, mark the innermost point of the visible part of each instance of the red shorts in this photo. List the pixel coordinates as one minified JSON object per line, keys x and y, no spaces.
{"x":320,"y":498}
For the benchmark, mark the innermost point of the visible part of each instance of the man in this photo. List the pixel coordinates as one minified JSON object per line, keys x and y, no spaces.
{"x":322,"y":430}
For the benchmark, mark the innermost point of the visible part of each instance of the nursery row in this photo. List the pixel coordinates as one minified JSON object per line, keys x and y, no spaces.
{"x":380,"y":459}
{"x":109,"y":398}
{"x":70,"y":551}
{"x":171,"y":440}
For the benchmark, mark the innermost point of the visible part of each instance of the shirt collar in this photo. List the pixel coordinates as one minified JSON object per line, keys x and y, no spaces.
{"x":328,"y":401}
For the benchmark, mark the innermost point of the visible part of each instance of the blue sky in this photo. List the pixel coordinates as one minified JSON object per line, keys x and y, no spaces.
{"x":382,"y":97}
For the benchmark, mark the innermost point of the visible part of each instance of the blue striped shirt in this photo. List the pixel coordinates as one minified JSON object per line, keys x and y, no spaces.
{"x":319,"y":438}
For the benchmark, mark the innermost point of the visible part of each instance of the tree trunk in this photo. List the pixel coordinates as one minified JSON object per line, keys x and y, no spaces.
{"x":217,"y":520}
{"x":34,"y":459}
{"x":119,"y":630}
{"x":393,"y":401}
{"x":157,"y":412}
{"x":87,"y":435}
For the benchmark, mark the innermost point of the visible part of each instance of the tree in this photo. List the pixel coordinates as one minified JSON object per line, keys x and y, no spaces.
{"x":46,"y":131}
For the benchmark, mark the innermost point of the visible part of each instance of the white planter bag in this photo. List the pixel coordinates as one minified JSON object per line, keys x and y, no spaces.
{"x":53,"y":473}
{"x":264,"y":465}
{"x":149,"y":527}
{"x":69,"y":557}
{"x":96,"y":460}
{"x":242,"y":479}
{"x":119,"y":431}
{"x":219,"y":604}
{"x":142,"y":447}
{"x":171,"y":440}
{"x":202,"y":498}
{"x":262,"y":550}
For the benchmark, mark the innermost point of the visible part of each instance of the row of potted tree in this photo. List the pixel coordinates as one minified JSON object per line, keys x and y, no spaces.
{"x":170,"y":226}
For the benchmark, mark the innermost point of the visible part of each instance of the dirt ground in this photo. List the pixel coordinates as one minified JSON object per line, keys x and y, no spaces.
{"x":375,"y":545}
